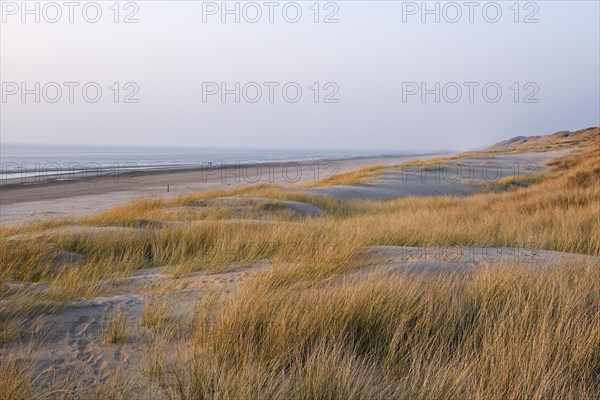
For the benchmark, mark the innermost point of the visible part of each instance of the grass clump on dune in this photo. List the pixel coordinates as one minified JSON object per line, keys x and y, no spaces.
{"x":498,"y":333}
{"x":354,"y":177}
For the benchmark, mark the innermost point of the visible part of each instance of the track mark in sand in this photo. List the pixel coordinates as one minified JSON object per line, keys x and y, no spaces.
{"x":75,"y":345}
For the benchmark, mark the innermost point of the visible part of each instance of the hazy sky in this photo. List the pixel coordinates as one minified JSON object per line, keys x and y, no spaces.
{"x":374,"y":61}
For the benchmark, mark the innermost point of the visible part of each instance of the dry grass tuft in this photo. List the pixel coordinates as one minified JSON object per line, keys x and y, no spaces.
{"x":15,"y":382}
{"x":117,"y":329}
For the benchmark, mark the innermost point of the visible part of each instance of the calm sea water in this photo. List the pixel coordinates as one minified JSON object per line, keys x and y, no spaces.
{"x":32,"y":160}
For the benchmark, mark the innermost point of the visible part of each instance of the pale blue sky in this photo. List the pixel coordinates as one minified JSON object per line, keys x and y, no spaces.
{"x":369,"y":53}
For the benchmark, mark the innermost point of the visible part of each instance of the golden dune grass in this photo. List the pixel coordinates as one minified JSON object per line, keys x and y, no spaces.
{"x":302,"y":330}
{"x":504,"y":332}
{"x":354,"y":177}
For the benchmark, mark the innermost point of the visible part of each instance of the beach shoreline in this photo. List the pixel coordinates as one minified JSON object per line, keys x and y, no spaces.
{"x":24,"y":201}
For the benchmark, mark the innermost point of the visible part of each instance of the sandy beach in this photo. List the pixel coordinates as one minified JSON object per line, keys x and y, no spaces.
{"x":23,"y":201}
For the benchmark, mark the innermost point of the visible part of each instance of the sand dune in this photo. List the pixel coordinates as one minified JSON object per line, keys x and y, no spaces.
{"x":121,"y":299}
